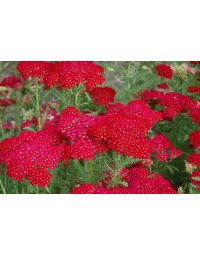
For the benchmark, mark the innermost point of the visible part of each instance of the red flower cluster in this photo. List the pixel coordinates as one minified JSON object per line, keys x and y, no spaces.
{"x":124,"y":129}
{"x":31,"y":154}
{"x":163,"y":148}
{"x":195,"y":139}
{"x":139,"y":180}
{"x":173,"y":103}
{"x":32,"y":69}
{"x":194,"y":112}
{"x":66,"y":74}
{"x":7,"y":102}
{"x":12,"y":82}
{"x":164,"y":71}
{"x":193,"y":89}
{"x":162,"y":86}
{"x":194,"y":159}
{"x":9,"y":125}
{"x":74,"y":126}
{"x":103,"y":96}
{"x":195,"y":62}
{"x":39,"y":176}
{"x":28,"y":123}
{"x":8,"y":84}
{"x":85,"y":189}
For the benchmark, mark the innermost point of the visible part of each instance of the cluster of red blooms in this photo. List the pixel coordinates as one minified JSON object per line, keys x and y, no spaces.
{"x":28,"y":123}
{"x":164,"y":71}
{"x":66,"y":74}
{"x":5,"y":102}
{"x":103,"y":96}
{"x":172,"y":103}
{"x":163,"y":86}
{"x":193,"y":89}
{"x":30,"y":155}
{"x":164,"y":149}
{"x":194,"y":159}
{"x":195,"y":139}
{"x":139,"y":180}
{"x":195,"y":62}
{"x":12,"y":82}
{"x":9,"y":83}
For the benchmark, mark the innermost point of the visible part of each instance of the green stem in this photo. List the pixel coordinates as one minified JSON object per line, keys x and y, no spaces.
{"x":1,"y":127}
{"x":76,"y":98}
{"x":18,"y":110}
{"x":37,"y":96}
{"x":47,"y":189}
{"x":5,"y":179}
{"x":37,"y":190}
{"x":128,"y":88}
{"x":114,"y":173}
{"x":128,"y":81}
{"x":2,"y":187}
{"x":17,"y":192}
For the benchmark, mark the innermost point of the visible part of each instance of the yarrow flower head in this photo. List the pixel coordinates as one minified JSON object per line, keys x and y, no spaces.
{"x":195,"y":139}
{"x":162,"y":86}
{"x":173,"y":103}
{"x":39,"y":176}
{"x":84,"y":189}
{"x":31,"y":155}
{"x":12,"y":82}
{"x":103,"y":96}
{"x":124,"y":129}
{"x":32,"y":69}
{"x":74,"y":126}
{"x":72,"y":73}
{"x":164,"y":71}
{"x":193,"y":89}
{"x":194,"y":159}
{"x":66,"y":74}
{"x":7,"y":102}
{"x":194,"y":112}
{"x":195,"y":62}
{"x":163,"y":148}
